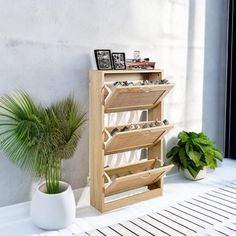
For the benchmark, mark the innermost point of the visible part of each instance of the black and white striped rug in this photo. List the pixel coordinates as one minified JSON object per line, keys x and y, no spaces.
{"x":212,"y":213}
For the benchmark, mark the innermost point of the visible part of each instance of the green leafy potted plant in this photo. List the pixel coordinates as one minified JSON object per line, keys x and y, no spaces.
{"x":193,"y":153}
{"x":38,"y":139}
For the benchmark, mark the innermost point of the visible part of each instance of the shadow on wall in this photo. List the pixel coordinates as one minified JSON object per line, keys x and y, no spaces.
{"x":25,"y":183}
{"x":57,"y":72}
{"x":206,"y":68}
{"x":78,"y":165}
{"x":194,"y":67}
{"x":214,"y":86}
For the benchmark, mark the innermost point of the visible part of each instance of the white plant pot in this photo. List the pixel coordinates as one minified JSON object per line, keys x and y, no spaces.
{"x":53,"y":211}
{"x":201,"y":175}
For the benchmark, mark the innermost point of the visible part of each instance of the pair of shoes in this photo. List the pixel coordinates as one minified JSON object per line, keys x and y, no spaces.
{"x":166,"y":122}
{"x":141,"y":82}
{"x":136,"y":126}
{"x":125,"y":128}
{"x":123,"y":83}
{"x":116,"y":130}
{"x":163,"y":81}
{"x":156,"y":123}
{"x":153,"y":82}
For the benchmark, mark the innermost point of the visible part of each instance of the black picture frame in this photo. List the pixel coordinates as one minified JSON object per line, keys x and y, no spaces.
{"x":118,"y":59}
{"x":103,"y":59}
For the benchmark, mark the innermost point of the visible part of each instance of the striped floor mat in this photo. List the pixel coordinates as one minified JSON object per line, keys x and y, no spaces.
{"x":212,"y":213}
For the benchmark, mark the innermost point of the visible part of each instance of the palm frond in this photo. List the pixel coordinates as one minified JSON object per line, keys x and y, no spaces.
{"x":37,"y":138}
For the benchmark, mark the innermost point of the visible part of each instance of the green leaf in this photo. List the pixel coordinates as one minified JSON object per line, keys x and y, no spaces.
{"x":203,"y":141}
{"x":193,"y":135}
{"x":176,"y":161}
{"x":183,"y":136}
{"x":192,"y":171}
{"x":196,"y":150}
{"x":195,"y":157}
{"x":183,"y":157}
{"x":188,"y":148}
{"x":172,"y":152}
{"x":203,"y":135}
{"x":211,"y":162}
{"x":38,"y":138}
{"x":218,"y":155}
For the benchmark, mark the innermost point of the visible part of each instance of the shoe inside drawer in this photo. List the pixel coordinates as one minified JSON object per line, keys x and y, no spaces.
{"x":134,"y":178}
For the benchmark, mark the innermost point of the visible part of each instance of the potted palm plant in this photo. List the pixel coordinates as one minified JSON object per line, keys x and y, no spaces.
{"x":38,"y":139}
{"x":194,"y":153}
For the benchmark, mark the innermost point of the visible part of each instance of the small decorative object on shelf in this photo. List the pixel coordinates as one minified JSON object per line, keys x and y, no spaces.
{"x":138,"y":63}
{"x":134,"y":90}
{"x":118,"y":59}
{"x":106,"y":60}
{"x":131,"y":64}
{"x":137,"y":56}
{"x":103,"y":59}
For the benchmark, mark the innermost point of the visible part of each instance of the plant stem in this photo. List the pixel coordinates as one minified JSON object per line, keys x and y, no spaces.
{"x":52,"y":176}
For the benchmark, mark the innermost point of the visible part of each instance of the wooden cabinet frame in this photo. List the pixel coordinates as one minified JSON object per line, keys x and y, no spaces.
{"x":103,"y":99}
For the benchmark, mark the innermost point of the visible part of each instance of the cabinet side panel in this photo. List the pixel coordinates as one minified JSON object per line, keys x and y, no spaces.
{"x":156,"y":152}
{"x":96,"y":151}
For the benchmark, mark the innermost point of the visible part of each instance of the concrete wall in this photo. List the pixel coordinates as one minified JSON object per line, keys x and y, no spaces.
{"x":46,"y":48}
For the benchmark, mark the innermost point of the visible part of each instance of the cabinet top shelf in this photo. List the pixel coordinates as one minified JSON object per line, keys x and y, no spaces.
{"x":126,"y":71}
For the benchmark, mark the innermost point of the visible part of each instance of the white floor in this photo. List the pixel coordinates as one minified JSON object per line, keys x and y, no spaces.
{"x":15,"y":220}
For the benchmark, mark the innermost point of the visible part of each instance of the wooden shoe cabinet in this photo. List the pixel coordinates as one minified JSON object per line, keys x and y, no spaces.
{"x":106,"y":98}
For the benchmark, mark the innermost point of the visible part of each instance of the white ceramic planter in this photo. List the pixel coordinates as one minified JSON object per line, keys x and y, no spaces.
{"x":53,"y":211}
{"x":201,"y":175}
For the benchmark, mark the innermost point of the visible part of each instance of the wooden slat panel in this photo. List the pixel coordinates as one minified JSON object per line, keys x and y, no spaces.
{"x":134,"y":139}
{"x":156,"y":151}
{"x":137,"y":180}
{"x":109,"y":99}
{"x":136,"y":97}
{"x":131,"y":199}
{"x":141,"y":165}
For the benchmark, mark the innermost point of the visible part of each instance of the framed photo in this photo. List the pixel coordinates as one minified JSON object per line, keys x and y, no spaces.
{"x":118,"y":59}
{"x":103,"y":59}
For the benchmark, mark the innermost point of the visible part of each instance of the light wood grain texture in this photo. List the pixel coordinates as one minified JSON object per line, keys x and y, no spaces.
{"x":137,"y":166}
{"x":133,"y":76}
{"x":96,"y":152}
{"x":156,"y":151}
{"x":136,"y":97}
{"x":107,"y":72}
{"x":104,"y":98}
{"x":133,"y":139}
{"x":136,"y":180}
{"x":131,"y":199}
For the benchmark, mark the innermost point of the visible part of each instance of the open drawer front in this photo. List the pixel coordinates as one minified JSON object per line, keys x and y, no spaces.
{"x":133,"y":176}
{"x":135,"y":97}
{"x":134,"y":139}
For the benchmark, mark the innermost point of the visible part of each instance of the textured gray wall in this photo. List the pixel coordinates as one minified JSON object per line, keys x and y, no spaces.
{"x":46,"y":48}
